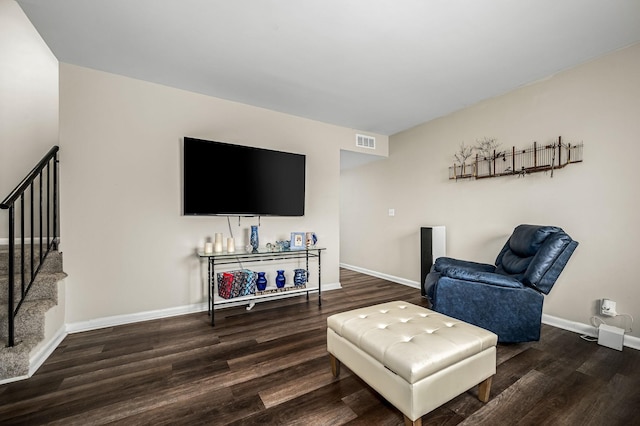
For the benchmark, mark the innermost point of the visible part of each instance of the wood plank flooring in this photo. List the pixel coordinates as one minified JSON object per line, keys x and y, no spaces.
{"x":269,"y":366}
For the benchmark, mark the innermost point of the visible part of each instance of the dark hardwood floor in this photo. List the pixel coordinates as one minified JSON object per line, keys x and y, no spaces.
{"x":270,"y":366}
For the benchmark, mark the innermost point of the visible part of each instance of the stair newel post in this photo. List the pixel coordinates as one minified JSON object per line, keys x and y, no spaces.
{"x":41,"y":224}
{"x":31,"y":233}
{"x":40,"y":217}
{"x":55,"y":201}
{"x":22,"y":265}
{"x":12,"y":247}
{"x":48,"y":204}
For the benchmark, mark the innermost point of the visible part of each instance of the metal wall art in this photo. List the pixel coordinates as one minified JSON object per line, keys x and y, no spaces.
{"x":486,"y":159}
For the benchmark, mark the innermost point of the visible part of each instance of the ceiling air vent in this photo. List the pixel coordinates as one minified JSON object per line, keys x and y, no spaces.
{"x":363,"y":141}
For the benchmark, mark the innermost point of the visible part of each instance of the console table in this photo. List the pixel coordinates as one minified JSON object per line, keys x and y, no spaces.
{"x":262,"y":255}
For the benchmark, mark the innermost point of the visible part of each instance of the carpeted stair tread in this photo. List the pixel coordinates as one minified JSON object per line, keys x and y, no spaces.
{"x":15,"y":360}
{"x":52,"y":263}
{"x":44,"y":287}
{"x":29,"y":331}
{"x":30,"y":321}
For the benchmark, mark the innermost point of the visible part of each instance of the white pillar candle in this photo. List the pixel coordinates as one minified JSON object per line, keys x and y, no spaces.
{"x":217,"y":247}
{"x":208,"y":247}
{"x":218,"y":238}
{"x":230,"y":245}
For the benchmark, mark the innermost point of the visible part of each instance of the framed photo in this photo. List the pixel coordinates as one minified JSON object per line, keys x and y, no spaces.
{"x":298,"y":241}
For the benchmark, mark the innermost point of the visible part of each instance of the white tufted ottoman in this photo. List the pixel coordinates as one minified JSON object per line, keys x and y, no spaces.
{"x":415,"y":358}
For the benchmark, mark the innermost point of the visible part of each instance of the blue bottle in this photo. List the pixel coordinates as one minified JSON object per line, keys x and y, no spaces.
{"x":254,"y":241}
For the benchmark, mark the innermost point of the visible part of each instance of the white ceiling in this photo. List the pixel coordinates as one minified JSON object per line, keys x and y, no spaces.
{"x":375,"y":65}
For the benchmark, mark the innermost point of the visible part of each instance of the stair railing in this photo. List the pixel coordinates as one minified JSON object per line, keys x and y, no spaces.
{"x":45,"y":173}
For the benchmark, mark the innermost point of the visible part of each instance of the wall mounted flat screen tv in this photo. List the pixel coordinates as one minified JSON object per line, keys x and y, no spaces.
{"x":233,"y":180}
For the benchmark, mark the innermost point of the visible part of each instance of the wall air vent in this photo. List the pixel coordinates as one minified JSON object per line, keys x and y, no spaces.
{"x":363,"y":141}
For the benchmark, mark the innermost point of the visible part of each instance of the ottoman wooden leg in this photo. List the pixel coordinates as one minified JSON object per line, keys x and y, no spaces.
{"x":409,"y":422}
{"x":335,"y":365}
{"x":483,"y":389}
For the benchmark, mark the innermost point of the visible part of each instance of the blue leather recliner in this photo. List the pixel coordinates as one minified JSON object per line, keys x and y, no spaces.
{"x":506,"y":298}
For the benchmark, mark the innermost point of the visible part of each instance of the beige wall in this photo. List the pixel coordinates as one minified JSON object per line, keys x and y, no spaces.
{"x":28,"y":100}
{"x":127,"y":248}
{"x":596,"y":201}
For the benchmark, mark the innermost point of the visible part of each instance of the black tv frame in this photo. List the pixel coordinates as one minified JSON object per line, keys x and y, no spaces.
{"x":223,"y":179}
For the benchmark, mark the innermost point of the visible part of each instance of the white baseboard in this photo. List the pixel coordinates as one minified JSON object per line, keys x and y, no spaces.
{"x":116,"y":320}
{"x":36,"y":360}
{"x":387,"y":277}
{"x":586,"y":329}
{"x":13,"y":379}
{"x":576,"y":327}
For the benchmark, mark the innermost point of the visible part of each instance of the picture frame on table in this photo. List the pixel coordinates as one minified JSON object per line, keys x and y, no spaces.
{"x":298,"y":241}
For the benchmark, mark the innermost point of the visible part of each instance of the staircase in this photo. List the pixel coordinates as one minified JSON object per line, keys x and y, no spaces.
{"x":40,"y":319}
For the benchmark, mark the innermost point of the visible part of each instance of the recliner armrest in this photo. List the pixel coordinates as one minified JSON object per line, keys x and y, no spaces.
{"x":482,"y":277}
{"x":443,"y":263}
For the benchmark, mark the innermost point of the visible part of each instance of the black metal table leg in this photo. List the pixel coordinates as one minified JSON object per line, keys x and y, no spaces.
{"x":307,"y":272}
{"x":319,"y":280}
{"x":210,"y":284}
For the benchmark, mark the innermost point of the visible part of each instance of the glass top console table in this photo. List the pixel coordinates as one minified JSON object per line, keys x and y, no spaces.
{"x":218,"y":260}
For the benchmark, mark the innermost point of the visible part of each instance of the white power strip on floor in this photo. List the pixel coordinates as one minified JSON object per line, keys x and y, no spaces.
{"x":610,"y":336}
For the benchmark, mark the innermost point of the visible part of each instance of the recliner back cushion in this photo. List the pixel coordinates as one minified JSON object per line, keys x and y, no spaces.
{"x":536,"y":255}
{"x":527,"y":239}
{"x":518,"y":252}
{"x":513,"y":264}
{"x":549,"y":262}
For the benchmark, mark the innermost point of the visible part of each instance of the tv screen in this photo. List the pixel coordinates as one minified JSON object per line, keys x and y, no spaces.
{"x":234,"y":180}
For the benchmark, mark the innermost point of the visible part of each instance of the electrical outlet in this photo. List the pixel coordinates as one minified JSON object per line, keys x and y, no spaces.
{"x":608,"y":308}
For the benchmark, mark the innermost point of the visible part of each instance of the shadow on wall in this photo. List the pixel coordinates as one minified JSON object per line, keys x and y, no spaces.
{"x":351,"y":159}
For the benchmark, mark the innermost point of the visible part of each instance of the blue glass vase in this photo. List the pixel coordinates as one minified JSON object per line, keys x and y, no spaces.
{"x":261,"y":282}
{"x":280,"y":279}
{"x":299,"y":276}
{"x":254,"y":241}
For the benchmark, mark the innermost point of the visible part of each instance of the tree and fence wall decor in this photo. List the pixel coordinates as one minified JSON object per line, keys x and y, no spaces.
{"x":486,"y":159}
